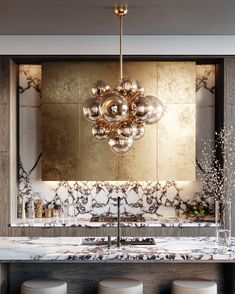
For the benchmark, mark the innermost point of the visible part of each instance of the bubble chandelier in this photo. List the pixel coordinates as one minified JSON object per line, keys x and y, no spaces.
{"x":119,"y":115}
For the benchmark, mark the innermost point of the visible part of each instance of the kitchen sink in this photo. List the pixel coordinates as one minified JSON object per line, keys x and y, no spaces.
{"x":112,"y":219}
{"x":124,"y":241}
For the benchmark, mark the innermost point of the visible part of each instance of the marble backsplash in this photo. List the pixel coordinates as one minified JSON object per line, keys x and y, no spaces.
{"x":167,"y":199}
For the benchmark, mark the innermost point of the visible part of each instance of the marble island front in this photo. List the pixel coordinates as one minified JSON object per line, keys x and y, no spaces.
{"x":71,"y":249}
{"x":83,"y":266}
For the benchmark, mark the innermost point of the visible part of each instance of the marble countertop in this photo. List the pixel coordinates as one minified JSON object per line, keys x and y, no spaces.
{"x":70,"y":249}
{"x":85,"y":223}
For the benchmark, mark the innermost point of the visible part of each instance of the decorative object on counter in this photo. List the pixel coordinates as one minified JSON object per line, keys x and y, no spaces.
{"x":56,"y":213}
{"x":120,"y":115}
{"x":21,"y":207}
{"x":219,"y":180}
{"x":48,"y":212}
{"x":226,"y":145}
{"x":120,"y":286}
{"x":218,"y":174}
{"x":71,"y":212}
{"x":31,"y":208}
{"x":44,"y":286}
{"x":194,"y":287}
{"x":199,"y":212}
{"x":23,"y":216}
{"x":61,"y":213}
{"x":223,"y":222}
{"x":39,"y":209}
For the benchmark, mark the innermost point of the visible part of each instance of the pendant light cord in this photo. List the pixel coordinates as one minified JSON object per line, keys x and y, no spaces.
{"x":121,"y":55}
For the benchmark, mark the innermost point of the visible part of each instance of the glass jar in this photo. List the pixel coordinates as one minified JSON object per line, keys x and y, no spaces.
{"x":39,"y":208}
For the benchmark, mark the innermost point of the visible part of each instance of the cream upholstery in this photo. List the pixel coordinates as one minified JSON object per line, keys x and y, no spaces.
{"x":194,"y":287}
{"x":120,"y":286}
{"x":44,"y":286}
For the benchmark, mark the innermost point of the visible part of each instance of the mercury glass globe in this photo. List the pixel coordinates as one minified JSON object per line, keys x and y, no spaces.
{"x":127,"y":130}
{"x":141,"y":109}
{"x":157,"y":110}
{"x":100,"y":131}
{"x":127,"y":87}
{"x":100,"y":88}
{"x":91,"y":108}
{"x":120,"y":145}
{"x":140,"y":88}
{"x":140,"y":131}
{"x":113,"y":107}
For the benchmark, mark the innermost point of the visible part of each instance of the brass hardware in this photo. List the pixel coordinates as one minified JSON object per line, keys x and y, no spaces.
{"x":121,"y":10}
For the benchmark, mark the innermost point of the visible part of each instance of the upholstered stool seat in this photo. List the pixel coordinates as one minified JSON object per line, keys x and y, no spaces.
{"x":194,"y":287}
{"x":44,"y":286}
{"x":120,"y":286}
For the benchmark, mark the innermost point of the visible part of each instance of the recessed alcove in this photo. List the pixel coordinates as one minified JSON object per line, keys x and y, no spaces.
{"x":157,"y":200}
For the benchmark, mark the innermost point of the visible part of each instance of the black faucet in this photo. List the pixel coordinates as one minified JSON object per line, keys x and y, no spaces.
{"x":119,"y":222}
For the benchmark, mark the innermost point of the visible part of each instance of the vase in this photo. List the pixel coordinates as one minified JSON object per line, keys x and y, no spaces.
{"x":223,"y":222}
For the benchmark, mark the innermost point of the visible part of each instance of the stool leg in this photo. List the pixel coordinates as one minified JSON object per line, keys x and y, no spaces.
{"x":4,"y":287}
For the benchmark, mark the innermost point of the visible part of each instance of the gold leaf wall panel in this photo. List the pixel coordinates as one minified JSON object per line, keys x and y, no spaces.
{"x":176,"y":129}
{"x":70,"y":152}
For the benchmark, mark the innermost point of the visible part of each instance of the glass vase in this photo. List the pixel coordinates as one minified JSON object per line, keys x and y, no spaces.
{"x":223,"y":222}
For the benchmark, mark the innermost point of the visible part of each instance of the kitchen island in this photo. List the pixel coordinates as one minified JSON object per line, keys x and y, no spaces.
{"x":84,"y":265}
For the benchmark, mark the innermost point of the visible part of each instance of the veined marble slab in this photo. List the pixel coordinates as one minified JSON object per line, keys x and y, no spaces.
{"x":70,"y":249}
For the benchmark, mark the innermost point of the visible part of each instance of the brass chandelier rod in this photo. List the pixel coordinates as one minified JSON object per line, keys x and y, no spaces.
{"x":121,"y":48}
{"x":121,"y":11}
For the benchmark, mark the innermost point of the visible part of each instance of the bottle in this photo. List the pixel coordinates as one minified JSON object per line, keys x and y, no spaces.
{"x":20,"y":206}
{"x":23,"y":215}
{"x":31,"y":209}
{"x":48,"y":212}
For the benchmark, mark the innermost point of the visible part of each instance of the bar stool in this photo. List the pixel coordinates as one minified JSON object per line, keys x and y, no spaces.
{"x":44,"y":286}
{"x":194,"y":287}
{"x":120,"y":286}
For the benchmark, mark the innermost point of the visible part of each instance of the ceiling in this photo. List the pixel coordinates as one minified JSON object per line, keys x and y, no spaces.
{"x":95,"y":17}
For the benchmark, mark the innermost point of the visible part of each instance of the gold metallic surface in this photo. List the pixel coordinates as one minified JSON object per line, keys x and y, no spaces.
{"x":71,"y":152}
{"x":176,"y":129}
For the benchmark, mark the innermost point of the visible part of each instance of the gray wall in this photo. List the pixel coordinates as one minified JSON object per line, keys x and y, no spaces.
{"x":5,"y":230}
{"x":229,"y":111}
